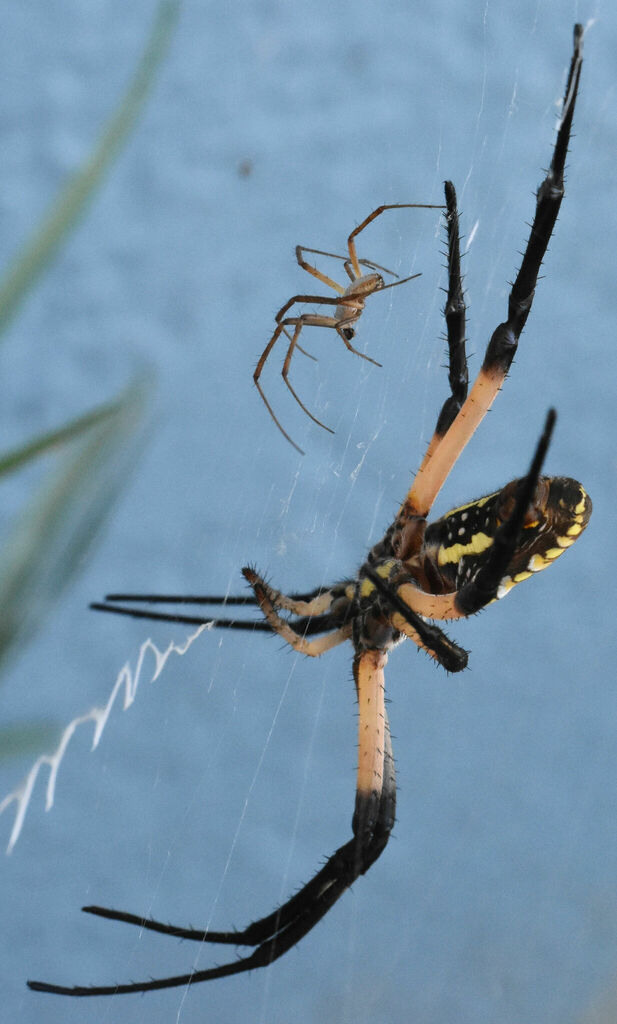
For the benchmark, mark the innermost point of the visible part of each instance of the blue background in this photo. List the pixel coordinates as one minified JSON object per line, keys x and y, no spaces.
{"x":232,"y":776}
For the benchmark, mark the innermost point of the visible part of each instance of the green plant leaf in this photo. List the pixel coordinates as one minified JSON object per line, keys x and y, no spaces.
{"x":52,"y":536}
{"x":13,"y":460}
{"x":71,"y":203}
{"x":25,"y":739}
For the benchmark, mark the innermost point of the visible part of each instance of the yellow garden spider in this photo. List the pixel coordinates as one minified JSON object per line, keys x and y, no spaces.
{"x":448,"y":569}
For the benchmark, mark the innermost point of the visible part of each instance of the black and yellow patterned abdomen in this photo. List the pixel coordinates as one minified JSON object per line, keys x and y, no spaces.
{"x":454,"y":545}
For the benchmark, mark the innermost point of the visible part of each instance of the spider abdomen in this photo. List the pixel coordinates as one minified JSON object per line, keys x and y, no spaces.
{"x":454,"y":546}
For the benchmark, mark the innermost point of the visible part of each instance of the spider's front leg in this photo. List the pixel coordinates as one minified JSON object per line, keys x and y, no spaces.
{"x":461,"y":415}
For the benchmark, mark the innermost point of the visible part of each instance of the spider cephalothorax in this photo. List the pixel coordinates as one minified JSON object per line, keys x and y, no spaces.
{"x":417,"y":573}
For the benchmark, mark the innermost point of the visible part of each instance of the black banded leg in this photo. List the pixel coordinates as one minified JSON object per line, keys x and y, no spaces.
{"x":407,"y":535}
{"x":306,"y":625}
{"x":312,"y":610}
{"x":485,"y":585}
{"x":275,"y":934}
{"x":224,"y":599}
{"x":502,"y":346}
{"x":257,"y":625}
{"x":455,"y":317}
{"x":426,"y":635}
{"x":504,"y":341}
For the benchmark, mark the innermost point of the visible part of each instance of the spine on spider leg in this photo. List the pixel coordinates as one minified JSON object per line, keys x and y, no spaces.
{"x":484,"y":587}
{"x":454,"y":314}
{"x":502,"y":346}
{"x":426,"y":635}
{"x":187,"y":620}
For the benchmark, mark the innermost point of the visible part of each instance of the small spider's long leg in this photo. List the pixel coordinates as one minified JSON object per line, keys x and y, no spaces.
{"x":313,"y":648}
{"x":257,"y":374}
{"x":504,"y":341}
{"x":318,"y":300}
{"x":395,"y":284}
{"x":318,"y":273}
{"x":310,"y":319}
{"x":299,"y":347}
{"x":351,"y":243}
{"x":299,"y":323}
{"x":374,"y":266}
{"x":275,"y":934}
{"x":346,"y":261}
{"x":341,"y":327}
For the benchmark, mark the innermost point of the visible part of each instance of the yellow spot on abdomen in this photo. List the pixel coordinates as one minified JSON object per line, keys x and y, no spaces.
{"x":478,"y":543}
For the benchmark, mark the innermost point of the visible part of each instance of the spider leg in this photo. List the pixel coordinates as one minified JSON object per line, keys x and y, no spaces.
{"x":346,"y":262}
{"x":224,"y":599}
{"x":314,"y":648}
{"x":299,"y":323}
{"x":367,"y":263}
{"x":395,"y":284}
{"x":318,"y":300}
{"x":372,"y":266}
{"x":299,"y":347}
{"x":316,"y":603}
{"x":341,"y":326}
{"x":406,"y":620}
{"x":486,"y":583}
{"x":302,"y":626}
{"x":454,"y":315}
{"x":314,"y":271}
{"x":351,"y":243}
{"x":504,"y":341}
{"x":257,"y":374}
{"x":257,"y":625}
{"x":275,"y":934}
{"x":308,"y":319}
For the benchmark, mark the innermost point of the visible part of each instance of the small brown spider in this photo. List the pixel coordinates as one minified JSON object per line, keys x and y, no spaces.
{"x":349,"y":306}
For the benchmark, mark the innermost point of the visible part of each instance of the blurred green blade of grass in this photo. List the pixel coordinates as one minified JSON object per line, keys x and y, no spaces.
{"x":71,"y":203}
{"x":25,"y":739}
{"x":54,"y":439}
{"x":52,"y":536}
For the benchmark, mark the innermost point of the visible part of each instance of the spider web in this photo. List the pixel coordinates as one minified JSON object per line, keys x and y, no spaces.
{"x":127,"y":680}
